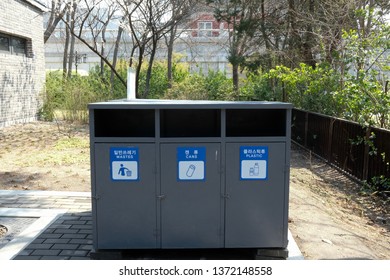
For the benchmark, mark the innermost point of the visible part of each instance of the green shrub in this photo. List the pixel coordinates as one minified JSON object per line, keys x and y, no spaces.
{"x":68,"y":98}
{"x":257,"y":87}
{"x":214,"y":86}
{"x":193,"y":87}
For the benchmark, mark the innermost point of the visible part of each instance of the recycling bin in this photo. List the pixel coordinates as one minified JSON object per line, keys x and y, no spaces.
{"x":171,"y":174}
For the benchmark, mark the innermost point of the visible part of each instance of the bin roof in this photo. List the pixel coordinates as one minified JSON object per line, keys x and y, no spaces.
{"x":187,"y":104}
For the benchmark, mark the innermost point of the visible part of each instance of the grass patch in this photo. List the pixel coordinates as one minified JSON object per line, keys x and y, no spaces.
{"x":71,"y":143}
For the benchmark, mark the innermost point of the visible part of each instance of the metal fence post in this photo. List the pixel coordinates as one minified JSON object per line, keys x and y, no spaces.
{"x":366,"y":158}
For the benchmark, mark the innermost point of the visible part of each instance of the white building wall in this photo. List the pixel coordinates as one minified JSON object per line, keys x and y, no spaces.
{"x":22,"y":77}
{"x":201,"y":53}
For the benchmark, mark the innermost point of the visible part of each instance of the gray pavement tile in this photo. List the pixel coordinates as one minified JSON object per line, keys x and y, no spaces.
{"x":25,"y":252}
{"x":82,"y":200}
{"x":49,"y":230}
{"x":65,"y":246}
{"x":31,"y":205}
{"x":47,"y":206}
{"x":38,"y":241}
{"x":35,"y":246}
{"x":57,"y":240}
{"x":85,"y":216}
{"x":74,"y":222}
{"x":26,"y":258}
{"x":74,"y":253}
{"x":10,"y":197}
{"x":88,"y":247}
{"x":45,"y":252}
{"x":7,"y":200}
{"x":74,"y":235}
{"x":66,"y":230}
{"x":81,"y":227}
{"x":68,"y":217}
{"x":54,"y":258}
{"x":80,"y":241}
{"x":80,"y":258}
{"x":50,"y":235}
{"x":60,"y":226}
{"x":66,"y":200}
{"x":11,"y":205}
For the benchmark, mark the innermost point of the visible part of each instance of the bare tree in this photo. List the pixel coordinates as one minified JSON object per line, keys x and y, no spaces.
{"x":58,"y":9}
{"x":71,"y":55}
{"x":181,"y":10}
{"x":148,"y":21}
{"x":115,"y":55}
{"x":68,"y":55}
{"x":90,"y":23}
{"x":242,"y":17}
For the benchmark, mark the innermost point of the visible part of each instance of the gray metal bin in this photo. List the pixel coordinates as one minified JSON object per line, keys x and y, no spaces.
{"x":189,"y":174}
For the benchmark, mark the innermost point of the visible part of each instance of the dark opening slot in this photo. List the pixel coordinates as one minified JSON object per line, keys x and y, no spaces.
{"x":124,"y":123}
{"x":255,"y":123}
{"x":190,"y":123}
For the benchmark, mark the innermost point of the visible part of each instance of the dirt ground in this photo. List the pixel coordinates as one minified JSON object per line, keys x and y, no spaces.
{"x":329,"y":217}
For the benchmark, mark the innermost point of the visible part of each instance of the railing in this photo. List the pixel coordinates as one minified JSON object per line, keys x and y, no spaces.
{"x":343,"y":144}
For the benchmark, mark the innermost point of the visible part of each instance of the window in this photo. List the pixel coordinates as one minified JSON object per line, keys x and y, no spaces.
{"x":18,"y":46}
{"x":4,"y":43}
{"x":13,"y":45}
{"x":205,"y":28}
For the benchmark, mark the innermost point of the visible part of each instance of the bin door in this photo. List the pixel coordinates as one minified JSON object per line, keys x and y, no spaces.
{"x":257,"y":195}
{"x":126,"y":196}
{"x":192,"y":210}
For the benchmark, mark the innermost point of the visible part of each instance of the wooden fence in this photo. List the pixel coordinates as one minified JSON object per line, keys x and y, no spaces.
{"x":342,"y":144}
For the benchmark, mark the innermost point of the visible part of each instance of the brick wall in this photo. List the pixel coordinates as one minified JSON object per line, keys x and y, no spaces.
{"x":21,"y":77}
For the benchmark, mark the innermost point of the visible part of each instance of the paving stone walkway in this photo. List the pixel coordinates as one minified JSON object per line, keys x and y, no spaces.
{"x":67,"y":238}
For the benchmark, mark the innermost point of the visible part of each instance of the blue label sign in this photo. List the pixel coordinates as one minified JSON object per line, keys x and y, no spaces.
{"x":253,"y":162}
{"x":191,"y":162}
{"x":124,"y":163}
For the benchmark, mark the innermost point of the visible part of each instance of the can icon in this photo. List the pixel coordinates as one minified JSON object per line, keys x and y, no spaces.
{"x":190,"y":170}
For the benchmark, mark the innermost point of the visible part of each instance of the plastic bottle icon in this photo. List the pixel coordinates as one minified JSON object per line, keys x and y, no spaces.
{"x":256,"y":169}
{"x":190,"y":170}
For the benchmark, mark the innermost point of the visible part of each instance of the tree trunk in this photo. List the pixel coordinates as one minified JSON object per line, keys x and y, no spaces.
{"x":138,"y":69}
{"x":263,"y":26}
{"x":72,"y":39}
{"x":102,"y":51}
{"x":309,"y":40}
{"x":294,"y":39}
{"x":66,"y":49}
{"x":170,"y":43}
{"x":150,"y":67}
{"x":71,"y":56}
{"x":235,"y":80}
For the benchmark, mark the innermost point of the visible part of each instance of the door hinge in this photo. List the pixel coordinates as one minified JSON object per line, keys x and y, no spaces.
{"x":226,"y":195}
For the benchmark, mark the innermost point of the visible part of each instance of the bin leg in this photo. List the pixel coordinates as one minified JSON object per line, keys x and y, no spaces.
{"x":272,"y":254}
